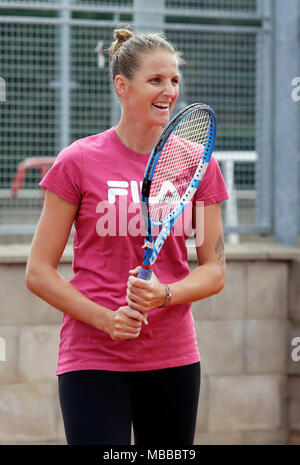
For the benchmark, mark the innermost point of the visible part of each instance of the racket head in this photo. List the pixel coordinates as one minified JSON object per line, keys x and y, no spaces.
{"x":177,"y":165}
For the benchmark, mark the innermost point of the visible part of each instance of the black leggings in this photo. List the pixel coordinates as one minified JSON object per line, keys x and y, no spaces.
{"x":98,"y":407}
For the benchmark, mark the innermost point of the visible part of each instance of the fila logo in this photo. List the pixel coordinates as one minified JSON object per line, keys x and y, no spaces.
{"x":120,"y":188}
{"x":118,"y":216}
{"x":167,"y":193}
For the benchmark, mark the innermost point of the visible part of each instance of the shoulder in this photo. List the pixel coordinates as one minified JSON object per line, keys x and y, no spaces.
{"x":95,"y":141}
{"x":213,"y":167}
{"x":212,"y":188}
{"x":213,"y":164}
{"x":86,"y":143}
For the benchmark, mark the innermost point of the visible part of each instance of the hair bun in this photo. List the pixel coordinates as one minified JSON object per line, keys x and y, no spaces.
{"x":121,"y":36}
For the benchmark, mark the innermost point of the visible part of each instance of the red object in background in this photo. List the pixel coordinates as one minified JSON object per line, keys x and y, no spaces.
{"x":41,"y":163}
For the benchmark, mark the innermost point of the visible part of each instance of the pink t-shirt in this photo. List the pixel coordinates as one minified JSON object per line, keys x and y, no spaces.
{"x":103,"y":177}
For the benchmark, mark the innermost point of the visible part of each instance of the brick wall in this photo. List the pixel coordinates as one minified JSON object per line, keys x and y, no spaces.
{"x":250,"y":384}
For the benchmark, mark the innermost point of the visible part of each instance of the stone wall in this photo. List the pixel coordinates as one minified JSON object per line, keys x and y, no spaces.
{"x":250,"y":384}
{"x":293,"y":366}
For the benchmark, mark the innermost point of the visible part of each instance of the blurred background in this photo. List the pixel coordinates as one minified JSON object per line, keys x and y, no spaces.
{"x":243,"y":59}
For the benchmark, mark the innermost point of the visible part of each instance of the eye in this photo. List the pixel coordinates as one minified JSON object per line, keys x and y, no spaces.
{"x":175,"y":81}
{"x":156,"y":79}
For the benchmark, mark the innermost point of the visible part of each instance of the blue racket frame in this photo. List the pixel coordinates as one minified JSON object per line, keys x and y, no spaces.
{"x":152,"y":248}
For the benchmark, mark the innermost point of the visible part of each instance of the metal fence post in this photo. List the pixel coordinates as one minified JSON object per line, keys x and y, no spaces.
{"x":115,"y":109}
{"x":65,"y":76}
{"x":264,"y":111}
{"x":286,"y":146}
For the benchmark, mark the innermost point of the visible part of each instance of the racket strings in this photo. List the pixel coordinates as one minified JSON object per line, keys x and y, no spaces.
{"x":178,"y":163}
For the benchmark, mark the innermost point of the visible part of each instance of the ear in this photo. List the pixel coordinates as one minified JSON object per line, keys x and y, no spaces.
{"x":121,"y":85}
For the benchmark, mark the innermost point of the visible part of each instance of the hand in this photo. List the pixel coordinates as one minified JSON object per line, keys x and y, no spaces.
{"x":144,"y":295}
{"x":124,"y":323}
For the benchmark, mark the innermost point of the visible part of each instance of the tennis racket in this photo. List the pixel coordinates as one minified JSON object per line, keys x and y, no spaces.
{"x":174,"y":172}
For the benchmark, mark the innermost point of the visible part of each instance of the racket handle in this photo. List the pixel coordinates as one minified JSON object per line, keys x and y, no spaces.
{"x":145,"y":274}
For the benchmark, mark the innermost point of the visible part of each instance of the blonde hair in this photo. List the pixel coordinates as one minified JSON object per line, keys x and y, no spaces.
{"x":127,"y":47}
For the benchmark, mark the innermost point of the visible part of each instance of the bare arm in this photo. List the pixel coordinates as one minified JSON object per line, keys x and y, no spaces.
{"x":43,"y":279}
{"x":206,"y":280}
{"x":209,"y":277}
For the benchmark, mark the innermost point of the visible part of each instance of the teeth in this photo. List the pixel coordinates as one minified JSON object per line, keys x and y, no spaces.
{"x":161,"y":105}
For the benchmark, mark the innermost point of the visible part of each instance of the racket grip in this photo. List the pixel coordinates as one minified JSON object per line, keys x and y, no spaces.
{"x":145,"y":274}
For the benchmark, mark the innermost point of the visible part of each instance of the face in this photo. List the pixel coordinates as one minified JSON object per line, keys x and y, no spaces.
{"x":152,"y":92}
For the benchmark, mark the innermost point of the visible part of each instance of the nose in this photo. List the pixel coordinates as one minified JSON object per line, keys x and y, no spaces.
{"x":169,"y":89}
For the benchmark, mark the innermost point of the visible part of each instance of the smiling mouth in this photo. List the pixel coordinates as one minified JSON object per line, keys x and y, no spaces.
{"x":161,"y":106}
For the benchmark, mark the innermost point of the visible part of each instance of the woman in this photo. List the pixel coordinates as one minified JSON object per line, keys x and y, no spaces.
{"x":128,"y":351}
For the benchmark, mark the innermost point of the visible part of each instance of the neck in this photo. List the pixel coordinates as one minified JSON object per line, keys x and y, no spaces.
{"x":137,"y":137}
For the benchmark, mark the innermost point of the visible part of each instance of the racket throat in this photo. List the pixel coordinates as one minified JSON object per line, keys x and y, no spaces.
{"x":146,"y":268}
{"x":147,"y":256}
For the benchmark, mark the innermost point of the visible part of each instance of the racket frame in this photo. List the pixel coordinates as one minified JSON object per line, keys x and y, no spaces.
{"x":152,"y":248}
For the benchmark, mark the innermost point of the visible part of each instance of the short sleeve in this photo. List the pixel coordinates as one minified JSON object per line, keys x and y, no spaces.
{"x":65,"y":176}
{"x":212,"y":188}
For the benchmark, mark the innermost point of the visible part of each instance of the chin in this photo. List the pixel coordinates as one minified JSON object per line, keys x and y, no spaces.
{"x":159,"y":123}
{"x":164,"y":121}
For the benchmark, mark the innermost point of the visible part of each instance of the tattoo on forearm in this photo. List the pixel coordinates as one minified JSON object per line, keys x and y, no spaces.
{"x":219,"y":249}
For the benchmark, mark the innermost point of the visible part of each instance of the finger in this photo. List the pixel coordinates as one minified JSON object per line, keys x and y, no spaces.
{"x":138,"y":283}
{"x":139,"y":315}
{"x":135,"y":270}
{"x":134,"y":314}
{"x":132,"y":324}
{"x":124,"y":328}
{"x":125,"y":336}
{"x":123,"y":319}
{"x":138,"y":298}
{"x":135,"y":293}
{"x":137,"y":304}
{"x":125,"y":324}
{"x":140,"y":309}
